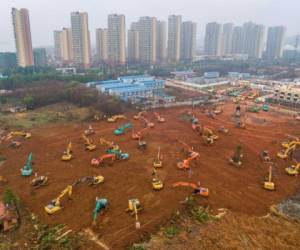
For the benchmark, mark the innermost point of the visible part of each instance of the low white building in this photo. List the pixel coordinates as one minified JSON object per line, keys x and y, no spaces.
{"x":287,"y":94}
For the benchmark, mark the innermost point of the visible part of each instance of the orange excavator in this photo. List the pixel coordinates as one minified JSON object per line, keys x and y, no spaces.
{"x":159,"y":118}
{"x":147,"y":122}
{"x":139,"y":135}
{"x":185,"y":164}
{"x":197,"y":188}
{"x":139,"y":115}
{"x":98,"y":161}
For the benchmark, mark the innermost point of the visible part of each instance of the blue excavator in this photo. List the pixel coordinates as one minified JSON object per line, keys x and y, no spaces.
{"x":27,"y":169}
{"x":121,"y":130}
{"x":101,"y":204}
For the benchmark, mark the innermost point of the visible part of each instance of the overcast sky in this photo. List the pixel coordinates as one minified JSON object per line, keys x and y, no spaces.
{"x":49,"y":15}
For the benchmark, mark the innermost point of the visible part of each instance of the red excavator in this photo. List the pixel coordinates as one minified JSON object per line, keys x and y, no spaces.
{"x":197,"y":188}
{"x":185,"y":164}
{"x":97,"y":161}
{"x":139,"y":135}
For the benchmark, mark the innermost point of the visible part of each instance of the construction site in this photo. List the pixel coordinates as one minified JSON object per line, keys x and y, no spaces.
{"x":122,"y":177}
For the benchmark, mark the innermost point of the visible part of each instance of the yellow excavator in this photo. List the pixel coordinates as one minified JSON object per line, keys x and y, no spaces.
{"x":139,"y":115}
{"x":115,"y":118}
{"x":110,"y":144}
{"x":134,"y":206}
{"x":293,"y":169}
{"x":208,"y":136}
{"x":26,"y":135}
{"x":157,"y":163}
{"x":67,"y":156}
{"x":88,"y":144}
{"x":157,"y":184}
{"x":283,"y":154}
{"x":55,"y":205}
{"x":288,"y":144}
{"x":269,"y":184}
{"x":89,"y":131}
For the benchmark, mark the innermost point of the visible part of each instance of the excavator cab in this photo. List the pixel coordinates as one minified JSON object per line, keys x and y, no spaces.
{"x":293,"y":170}
{"x":39,"y":181}
{"x":157,"y":184}
{"x":134,"y":206}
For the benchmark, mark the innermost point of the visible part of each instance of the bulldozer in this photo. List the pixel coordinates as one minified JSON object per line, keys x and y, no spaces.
{"x":121,"y":130}
{"x":101,"y":205}
{"x":89,"y":131}
{"x":159,"y":118}
{"x":157,"y":163}
{"x":293,"y":170}
{"x":27,"y":169}
{"x":67,"y":156}
{"x":115,"y":118}
{"x":26,"y":135}
{"x":39,"y":181}
{"x":269,"y":185}
{"x":236,"y":159}
{"x":55,"y":205}
{"x":198,"y":190}
{"x":134,"y":206}
{"x":88,"y":144}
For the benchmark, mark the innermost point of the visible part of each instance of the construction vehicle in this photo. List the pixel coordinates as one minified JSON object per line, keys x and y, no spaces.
{"x":121,"y":130}
{"x":224,"y":130}
{"x":157,"y":184}
{"x":236,"y":159}
{"x":283,"y":154}
{"x":119,"y":154}
{"x":197,"y":188}
{"x":157,"y":163}
{"x":147,"y":122}
{"x":287,"y":144}
{"x":265,"y":108}
{"x":110,"y":144}
{"x":185,"y":164}
{"x":139,"y":115}
{"x":208,"y":136}
{"x":91,"y":180}
{"x":89,"y":131}
{"x":134,"y":206}
{"x":293,"y":169}
{"x":139,"y":135}
{"x":142,"y":145}
{"x":115,"y":118}
{"x":265,"y":156}
{"x":97,"y":161}
{"x":27,"y":169}
{"x":67,"y":156}
{"x":269,"y":185}
{"x":26,"y":135}
{"x":55,"y":205}
{"x":39,"y":181}
{"x":159,"y":118}
{"x":88,"y":144}
{"x":15,"y":144}
{"x":101,"y":204}
{"x":253,"y":109}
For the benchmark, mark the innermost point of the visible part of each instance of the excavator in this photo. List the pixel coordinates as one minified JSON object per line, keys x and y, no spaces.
{"x":236,"y":159}
{"x":121,"y":130}
{"x":55,"y":205}
{"x":15,"y":144}
{"x":88,"y":144}
{"x":185,"y":164}
{"x":115,"y":118}
{"x":139,"y":115}
{"x":269,"y":185}
{"x":142,"y":145}
{"x":283,"y":154}
{"x":208,"y":136}
{"x":101,"y":204}
{"x":67,"y":156}
{"x":139,"y":135}
{"x":224,"y":130}
{"x":197,"y":188}
{"x":89,"y":131}
{"x":157,"y":163}
{"x":289,"y":144}
{"x":97,"y":161}
{"x":147,"y":122}
{"x":134,"y":206}
{"x":39,"y":181}
{"x":266,"y":156}
{"x":157,"y":184}
{"x":111,"y":145}
{"x":159,"y":118}
{"x":293,"y":170}
{"x":119,"y":154}
{"x":26,"y":135}
{"x":91,"y":180}
{"x":27,"y":169}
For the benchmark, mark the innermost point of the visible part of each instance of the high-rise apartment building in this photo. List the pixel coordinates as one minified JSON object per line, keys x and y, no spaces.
{"x":237,"y":40}
{"x":116,"y":39}
{"x":213,"y":35}
{"x":253,"y":39}
{"x":133,"y":46}
{"x":63,"y":48}
{"x":81,"y":39}
{"x":101,"y":45}
{"x":161,"y":41}
{"x":275,"y":42}
{"x":188,"y":41}
{"x":22,"y":35}
{"x":226,"y":44}
{"x":174,"y":33}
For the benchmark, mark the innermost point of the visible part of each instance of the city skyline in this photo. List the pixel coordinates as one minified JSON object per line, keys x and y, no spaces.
{"x":200,"y":13}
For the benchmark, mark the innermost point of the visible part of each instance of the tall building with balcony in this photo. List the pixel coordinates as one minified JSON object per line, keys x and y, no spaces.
{"x":101,"y":45}
{"x":116,"y":39}
{"x":237,"y":40}
{"x":81,"y":39}
{"x":133,"y":45}
{"x":63,"y":48}
{"x":22,"y":35}
{"x":161,"y":41}
{"x":188,"y":41}
{"x":174,"y":37}
{"x":275,"y":42}
{"x":213,"y":39}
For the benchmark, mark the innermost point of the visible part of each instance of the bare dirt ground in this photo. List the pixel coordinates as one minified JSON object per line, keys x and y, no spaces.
{"x":239,"y":190}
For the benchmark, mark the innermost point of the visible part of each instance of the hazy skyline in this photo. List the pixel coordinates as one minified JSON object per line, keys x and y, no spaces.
{"x":47,"y":16}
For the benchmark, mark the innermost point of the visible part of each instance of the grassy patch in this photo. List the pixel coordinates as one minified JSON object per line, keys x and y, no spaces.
{"x":137,"y":247}
{"x":171,"y":231}
{"x":201,"y":214}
